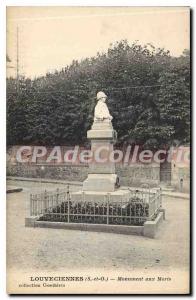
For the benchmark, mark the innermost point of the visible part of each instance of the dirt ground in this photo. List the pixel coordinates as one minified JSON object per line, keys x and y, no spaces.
{"x":39,"y":249}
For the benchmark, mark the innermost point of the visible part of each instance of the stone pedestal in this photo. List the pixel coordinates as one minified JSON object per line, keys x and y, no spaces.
{"x":100,"y":182}
{"x":102,"y":197}
{"x":100,"y":185}
{"x":102,"y":176}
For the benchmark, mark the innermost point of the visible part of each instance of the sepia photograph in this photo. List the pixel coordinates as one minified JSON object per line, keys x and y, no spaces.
{"x":98,"y":121}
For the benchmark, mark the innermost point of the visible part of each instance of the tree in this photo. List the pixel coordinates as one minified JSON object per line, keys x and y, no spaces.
{"x":148,"y":96}
{"x":173,"y":100}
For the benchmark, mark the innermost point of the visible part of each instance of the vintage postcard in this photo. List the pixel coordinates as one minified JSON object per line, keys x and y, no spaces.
{"x":98,"y":150}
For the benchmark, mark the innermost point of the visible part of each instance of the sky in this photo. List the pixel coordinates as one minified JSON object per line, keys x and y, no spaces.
{"x":50,"y":38}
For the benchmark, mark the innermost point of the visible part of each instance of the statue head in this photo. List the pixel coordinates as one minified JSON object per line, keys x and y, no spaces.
{"x":101,"y":96}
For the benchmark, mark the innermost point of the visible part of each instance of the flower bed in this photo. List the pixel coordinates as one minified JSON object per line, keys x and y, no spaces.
{"x":135,"y":212}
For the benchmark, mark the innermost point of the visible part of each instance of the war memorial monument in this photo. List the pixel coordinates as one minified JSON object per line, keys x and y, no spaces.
{"x":101,"y":204}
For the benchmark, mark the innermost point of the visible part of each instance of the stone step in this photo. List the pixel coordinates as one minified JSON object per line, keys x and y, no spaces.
{"x":13,"y":189}
{"x":168,"y":189}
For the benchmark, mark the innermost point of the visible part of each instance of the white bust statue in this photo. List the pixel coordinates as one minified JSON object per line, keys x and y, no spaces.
{"x":101,"y":110}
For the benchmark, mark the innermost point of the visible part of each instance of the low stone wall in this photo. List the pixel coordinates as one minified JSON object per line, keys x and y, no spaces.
{"x":139,"y":173}
{"x":61,"y":172}
{"x":129,"y":175}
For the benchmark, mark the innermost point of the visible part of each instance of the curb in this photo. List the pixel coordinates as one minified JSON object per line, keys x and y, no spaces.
{"x":149,"y":228}
{"x":44,"y":180}
{"x":13,"y":190}
{"x":78,"y":183}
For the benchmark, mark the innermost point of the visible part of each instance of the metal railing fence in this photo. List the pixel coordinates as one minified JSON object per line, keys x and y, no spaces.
{"x":58,"y":207}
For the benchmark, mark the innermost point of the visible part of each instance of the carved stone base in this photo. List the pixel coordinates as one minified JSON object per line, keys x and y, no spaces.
{"x":100,"y":182}
{"x":99,"y":197}
{"x":102,"y":130}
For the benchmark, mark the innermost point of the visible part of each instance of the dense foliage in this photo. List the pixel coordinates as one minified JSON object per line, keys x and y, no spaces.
{"x":148,"y":96}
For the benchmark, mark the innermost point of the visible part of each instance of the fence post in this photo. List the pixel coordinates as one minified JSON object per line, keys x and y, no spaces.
{"x":68,"y":204}
{"x":57,"y":196}
{"x":108,"y":200}
{"x":45,"y":201}
{"x":36,"y":209}
{"x":160,"y":193}
{"x":149,"y":210}
{"x":83,"y":196}
{"x":31,"y":206}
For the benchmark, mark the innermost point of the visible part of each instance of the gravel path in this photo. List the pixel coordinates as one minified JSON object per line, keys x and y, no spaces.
{"x":55,"y":249}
